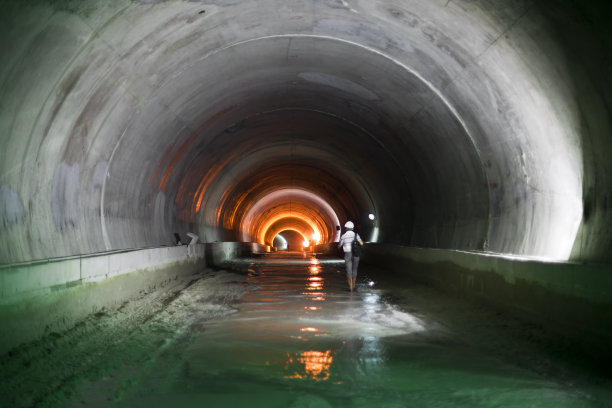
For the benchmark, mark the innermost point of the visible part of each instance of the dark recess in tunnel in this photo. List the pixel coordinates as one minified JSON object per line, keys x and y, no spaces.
{"x":293,"y":241}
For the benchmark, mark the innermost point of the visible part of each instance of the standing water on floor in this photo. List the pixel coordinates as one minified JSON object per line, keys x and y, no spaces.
{"x":288,"y":333}
{"x":299,"y":338}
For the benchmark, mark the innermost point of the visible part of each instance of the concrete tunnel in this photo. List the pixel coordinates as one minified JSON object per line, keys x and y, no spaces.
{"x":469,"y":126}
{"x":460,"y":125}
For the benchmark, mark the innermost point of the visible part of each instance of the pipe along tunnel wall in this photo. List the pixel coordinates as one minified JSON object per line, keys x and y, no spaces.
{"x":474,"y":126}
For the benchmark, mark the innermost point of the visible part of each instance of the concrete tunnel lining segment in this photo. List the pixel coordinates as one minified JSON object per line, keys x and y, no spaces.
{"x":457,"y":122}
{"x":239,"y":151}
{"x":282,"y":204}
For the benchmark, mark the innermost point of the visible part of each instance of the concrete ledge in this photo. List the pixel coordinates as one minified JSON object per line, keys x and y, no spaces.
{"x":575,"y":300}
{"x":29,"y":279}
{"x":49,"y":296}
{"x":23,"y":280}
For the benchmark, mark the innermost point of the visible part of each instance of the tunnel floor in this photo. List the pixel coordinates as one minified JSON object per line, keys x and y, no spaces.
{"x":286,"y":332}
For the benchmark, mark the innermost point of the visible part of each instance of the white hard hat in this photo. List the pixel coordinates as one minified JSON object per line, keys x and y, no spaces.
{"x":349,"y":224}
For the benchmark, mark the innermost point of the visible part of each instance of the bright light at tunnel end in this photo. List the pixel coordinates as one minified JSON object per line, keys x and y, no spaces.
{"x":316,"y":236}
{"x":313,"y":218}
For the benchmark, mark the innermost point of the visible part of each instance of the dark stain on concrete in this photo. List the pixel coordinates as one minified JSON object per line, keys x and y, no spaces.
{"x":11,"y":207}
{"x":445,"y":44}
{"x":63,"y":90}
{"x":78,"y":143}
{"x":65,"y":196}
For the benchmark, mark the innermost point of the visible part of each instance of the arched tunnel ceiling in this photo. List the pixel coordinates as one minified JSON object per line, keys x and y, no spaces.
{"x":462,"y":125}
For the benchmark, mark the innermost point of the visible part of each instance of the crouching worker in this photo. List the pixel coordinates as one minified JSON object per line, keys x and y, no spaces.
{"x":351,"y":255}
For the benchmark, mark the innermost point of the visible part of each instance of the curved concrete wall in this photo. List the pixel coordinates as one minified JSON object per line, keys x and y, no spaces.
{"x":464,"y":125}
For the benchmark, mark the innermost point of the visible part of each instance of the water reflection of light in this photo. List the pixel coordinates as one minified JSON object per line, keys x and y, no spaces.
{"x":314,"y":270}
{"x":315,"y":283}
{"x":313,"y":308}
{"x":383,"y":319}
{"x":315,"y":295}
{"x":309,"y":329}
{"x":370,"y":303}
{"x":310,"y":364}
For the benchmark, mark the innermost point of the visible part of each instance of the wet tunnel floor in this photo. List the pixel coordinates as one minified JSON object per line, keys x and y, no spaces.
{"x":288,"y":333}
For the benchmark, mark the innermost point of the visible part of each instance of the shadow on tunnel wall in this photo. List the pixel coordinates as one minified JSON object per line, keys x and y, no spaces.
{"x":222,"y":255}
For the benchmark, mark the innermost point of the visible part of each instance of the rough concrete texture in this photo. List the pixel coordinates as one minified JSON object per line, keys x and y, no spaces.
{"x":159,"y":319}
{"x":473,"y":125}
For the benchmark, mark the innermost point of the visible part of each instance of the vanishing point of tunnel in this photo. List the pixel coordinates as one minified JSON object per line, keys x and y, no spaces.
{"x":468,"y":140}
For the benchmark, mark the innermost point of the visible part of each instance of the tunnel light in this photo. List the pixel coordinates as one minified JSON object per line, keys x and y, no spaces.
{"x":259,"y":219}
{"x":374,"y":236}
{"x":316,"y":236}
{"x":305,"y":244}
{"x":283,"y":242}
{"x":371,"y":216}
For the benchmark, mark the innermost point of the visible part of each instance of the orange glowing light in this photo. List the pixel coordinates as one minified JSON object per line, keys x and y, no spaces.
{"x":206,"y":180}
{"x":308,"y":226}
{"x":314,"y":270}
{"x":309,"y":329}
{"x":314,"y":293}
{"x":315,"y":283}
{"x":316,"y":365}
{"x":270,"y":212}
{"x":174,"y":161}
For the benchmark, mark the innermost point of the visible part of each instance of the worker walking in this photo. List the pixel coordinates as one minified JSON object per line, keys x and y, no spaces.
{"x":351,"y":244}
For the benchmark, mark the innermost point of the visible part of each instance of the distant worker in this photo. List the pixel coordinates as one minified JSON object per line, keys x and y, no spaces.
{"x":351,"y":256}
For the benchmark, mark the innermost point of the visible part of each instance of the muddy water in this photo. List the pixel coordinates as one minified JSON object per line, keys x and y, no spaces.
{"x":287,"y":333}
